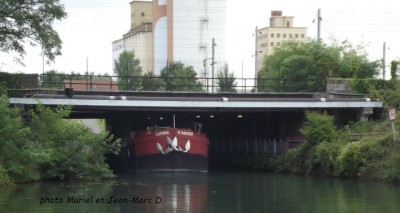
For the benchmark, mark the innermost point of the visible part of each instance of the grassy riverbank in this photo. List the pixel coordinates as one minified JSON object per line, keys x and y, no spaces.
{"x":352,"y":152}
{"x":40,"y":144}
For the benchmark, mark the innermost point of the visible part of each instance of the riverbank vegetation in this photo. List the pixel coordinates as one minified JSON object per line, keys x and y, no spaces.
{"x":337,"y":153}
{"x":40,"y":144}
{"x":363,"y":149}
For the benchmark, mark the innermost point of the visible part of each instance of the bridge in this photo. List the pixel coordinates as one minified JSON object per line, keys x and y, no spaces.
{"x":275,"y":111}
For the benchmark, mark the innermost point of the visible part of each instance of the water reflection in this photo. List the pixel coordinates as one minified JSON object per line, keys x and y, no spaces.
{"x":212,"y":192}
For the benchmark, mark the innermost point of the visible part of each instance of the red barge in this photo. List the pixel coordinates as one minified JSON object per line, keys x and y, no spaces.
{"x":168,"y":149}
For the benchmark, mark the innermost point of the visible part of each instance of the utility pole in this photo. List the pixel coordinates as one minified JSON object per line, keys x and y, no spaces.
{"x":87,"y":73}
{"x":384,"y":60}
{"x":256,"y":59}
{"x":212,"y":65}
{"x":319,"y":25}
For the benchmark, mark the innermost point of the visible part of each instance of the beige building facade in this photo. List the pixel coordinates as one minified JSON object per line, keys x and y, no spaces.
{"x":139,"y":39}
{"x":281,"y":29}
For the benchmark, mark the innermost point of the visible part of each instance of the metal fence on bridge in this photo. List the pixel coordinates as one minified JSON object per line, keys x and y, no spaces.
{"x":156,"y":83}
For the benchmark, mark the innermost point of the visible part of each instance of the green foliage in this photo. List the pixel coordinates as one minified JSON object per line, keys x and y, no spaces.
{"x":71,"y":150}
{"x":327,"y":155}
{"x":49,"y":147}
{"x":394,"y":69}
{"x":3,"y":88}
{"x":316,"y":59}
{"x":30,"y":22}
{"x":319,"y":128}
{"x":312,"y":155}
{"x":372,"y":156}
{"x":363,"y":86}
{"x":4,"y":178}
{"x":359,"y":158}
{"x":179,"y":77}
{"x":391,"y":167}
{"x":11,"y":81}
{"x":15,"y":153}
{"x":226,"y":80}
{"x":150,"y":82}
{"x":386,"y":91}
{"x":129,"y":71}
{"x":290,"y":162}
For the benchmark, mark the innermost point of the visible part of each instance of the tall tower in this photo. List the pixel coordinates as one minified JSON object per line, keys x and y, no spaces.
{"x":139,"y":38}
{"x":183,"y":31}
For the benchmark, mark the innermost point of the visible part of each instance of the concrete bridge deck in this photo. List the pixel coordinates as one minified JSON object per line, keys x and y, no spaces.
{"x":177,"y":101}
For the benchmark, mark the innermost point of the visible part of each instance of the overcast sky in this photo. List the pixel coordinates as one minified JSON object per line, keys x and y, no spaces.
{"x":92,"y":25}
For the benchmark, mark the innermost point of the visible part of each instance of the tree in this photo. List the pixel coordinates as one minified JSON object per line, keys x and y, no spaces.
{"x":226,"y":80}
{"x":30,"y":21}
{"x":179,"y":77}
{"x":150,"y":82}
{"x":394,"y":67}
{"x":128,"y":70}
{"x":315,"y":59}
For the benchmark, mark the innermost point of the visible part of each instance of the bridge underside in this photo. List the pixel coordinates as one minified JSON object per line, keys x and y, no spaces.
{"x":222,"y":115}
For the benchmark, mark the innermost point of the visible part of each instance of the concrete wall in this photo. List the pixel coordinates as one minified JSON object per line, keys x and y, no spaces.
{"x":141,"y":12}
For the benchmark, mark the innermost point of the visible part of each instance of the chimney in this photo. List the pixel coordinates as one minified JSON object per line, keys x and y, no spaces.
{"x":276,"y":13}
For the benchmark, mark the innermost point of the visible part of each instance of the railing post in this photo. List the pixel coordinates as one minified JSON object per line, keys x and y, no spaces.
{"x":70,"y":81}
{"x":255,"y":147}
{"x":50,"y":83}
{"x":111,"y":83}
{"x":91,"y":82}
{"x":265,"y":146}
{"x":247,"y":146}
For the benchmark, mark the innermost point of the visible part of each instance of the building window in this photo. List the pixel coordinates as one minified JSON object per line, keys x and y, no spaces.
{"x":142,"y":14}
{"x":278,"y":35}
{"x":290,"y":35}
{"x":302,"y":35}
{"x":272,"y":35}
{"x":284,"y":35}
{"x":272,"y":43}
{"x":296,"y":36}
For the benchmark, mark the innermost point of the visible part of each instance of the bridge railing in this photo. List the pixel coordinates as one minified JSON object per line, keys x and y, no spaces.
{"x":156,"y":83}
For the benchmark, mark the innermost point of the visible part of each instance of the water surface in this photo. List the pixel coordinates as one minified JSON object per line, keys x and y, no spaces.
{"x":204,"y":192}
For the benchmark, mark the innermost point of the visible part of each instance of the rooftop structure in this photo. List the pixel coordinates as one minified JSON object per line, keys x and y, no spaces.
{"x":281,"y":29}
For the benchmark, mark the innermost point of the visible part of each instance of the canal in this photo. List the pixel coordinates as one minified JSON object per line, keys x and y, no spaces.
{"x":204,"y":192}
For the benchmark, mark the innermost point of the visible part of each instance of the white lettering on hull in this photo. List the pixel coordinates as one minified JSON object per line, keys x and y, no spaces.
{"x":180,"y":132}
{"x":162,"y":133}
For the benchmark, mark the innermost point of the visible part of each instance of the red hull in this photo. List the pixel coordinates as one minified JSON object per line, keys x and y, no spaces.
{"x":170,"y":150}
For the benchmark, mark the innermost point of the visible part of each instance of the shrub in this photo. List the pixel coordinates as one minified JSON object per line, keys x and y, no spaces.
{"x":290,"y":162}
{"x":361,"y":158}
{"x":391,"y":167}
{"x":72,"y":150}
{"x":319,"y":128}
{"x":18,"y":159}
{"x":4,"y":178}
{"x":327,"y":155}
